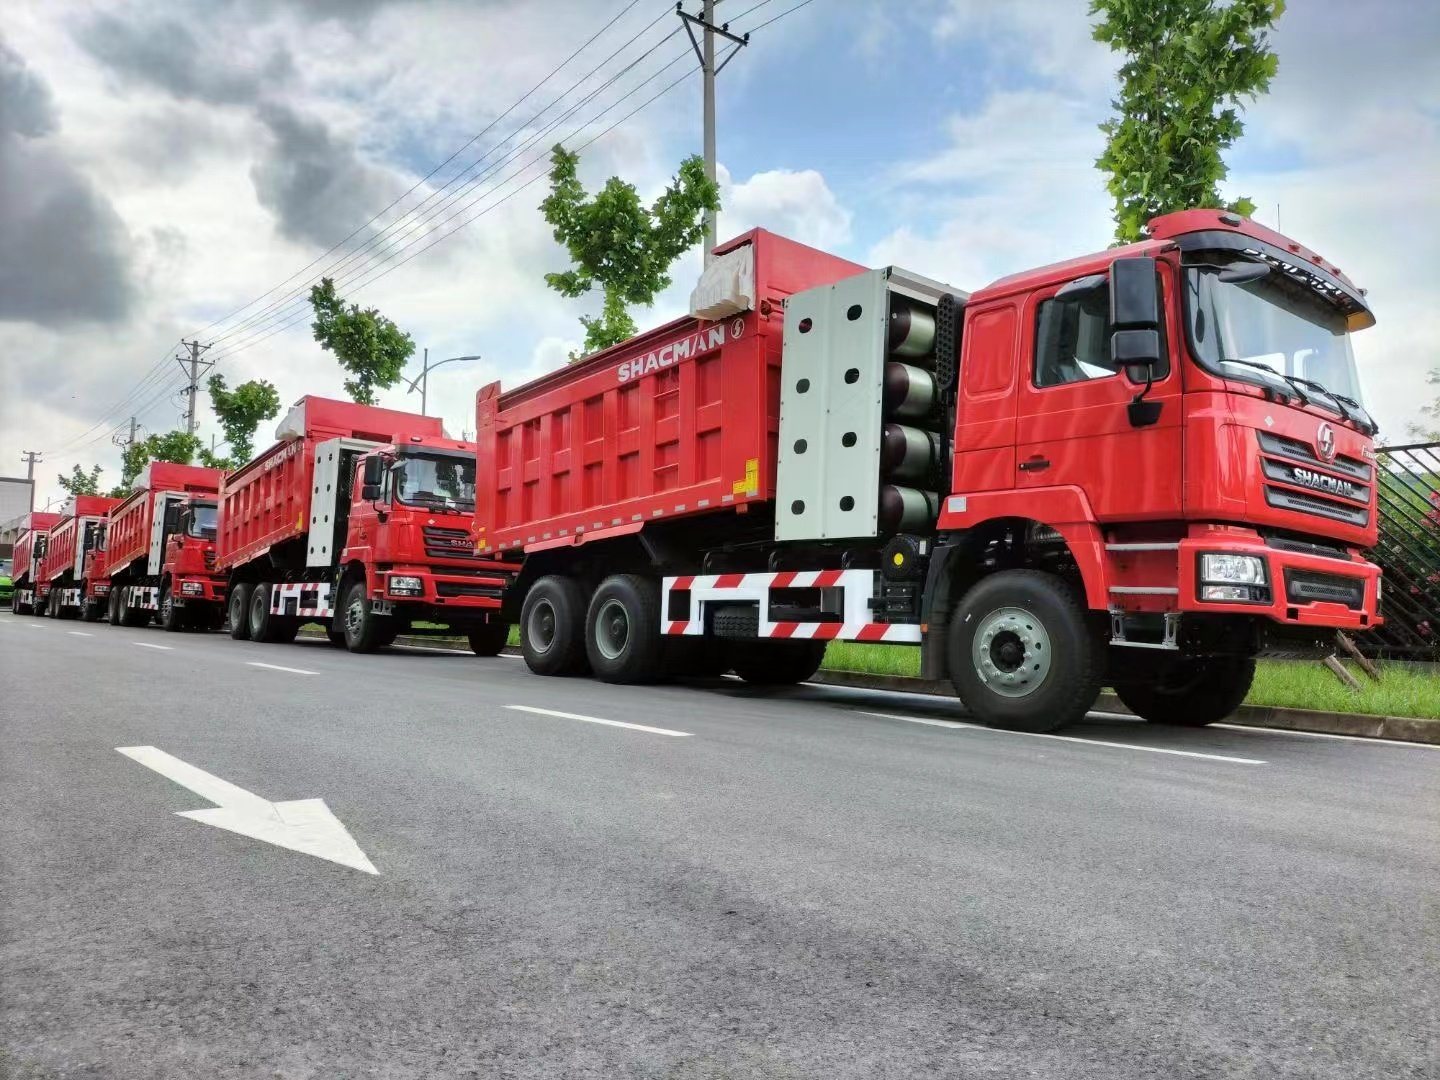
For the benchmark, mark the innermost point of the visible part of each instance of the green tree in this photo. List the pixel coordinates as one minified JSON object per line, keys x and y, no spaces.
{"x":240,"y":412}
{"x":177,"y":446}
{"x":368,"y":345}
{"x":80,"y":482}
{"x":618,"y":244}
{"x":1428,"y":430}
{"x":1188,"y":66}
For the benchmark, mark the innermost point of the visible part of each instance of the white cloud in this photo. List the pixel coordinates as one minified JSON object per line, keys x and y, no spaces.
{"x":799,"y":205}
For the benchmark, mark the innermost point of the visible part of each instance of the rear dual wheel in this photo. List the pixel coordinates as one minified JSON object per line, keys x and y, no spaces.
{"x":265,"y":626}
{"x":622,"y":629}
{"x":552,"y":626}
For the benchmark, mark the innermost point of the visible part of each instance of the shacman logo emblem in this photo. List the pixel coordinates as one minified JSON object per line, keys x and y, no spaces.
{"x":1325,"y":442}
{"x":711,"y":337}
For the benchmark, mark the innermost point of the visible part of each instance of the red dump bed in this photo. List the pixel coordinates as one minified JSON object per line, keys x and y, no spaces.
{"x":128,"y":536}
{"x":267,"y":502}
{"x":34,"y":524}
{"x":679,"y":420}
{"x":69,"y":533}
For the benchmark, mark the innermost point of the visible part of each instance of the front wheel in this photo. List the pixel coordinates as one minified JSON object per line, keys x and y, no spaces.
{"x":1022,"y":655}
{"x":622,"y":629}
{"x":237,"y":609}
{"x":172,"y":618}
{"x":1193,"y":692}
{"x":489,"y":638}
{"x":364,"y":630}
{"x":92,"y":610}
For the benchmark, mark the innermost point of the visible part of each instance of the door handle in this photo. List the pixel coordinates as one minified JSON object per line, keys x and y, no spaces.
{"x":1035,"y":464}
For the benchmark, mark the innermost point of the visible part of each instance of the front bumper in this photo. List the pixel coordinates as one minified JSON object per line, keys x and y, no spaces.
{"x":443,"y":591}
{"x":1304,"y":588}
{"x":198,"y":590}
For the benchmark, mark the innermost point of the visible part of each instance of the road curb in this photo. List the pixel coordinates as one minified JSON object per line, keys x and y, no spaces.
{"x":1389,"y":728}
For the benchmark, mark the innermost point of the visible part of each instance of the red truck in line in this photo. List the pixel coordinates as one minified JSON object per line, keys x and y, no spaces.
{"x":358,"y":517}
{"x":26,"y":599}
{"x":160,"y":550}
{"x":1137,"y":468}
{"x":72,"y":570}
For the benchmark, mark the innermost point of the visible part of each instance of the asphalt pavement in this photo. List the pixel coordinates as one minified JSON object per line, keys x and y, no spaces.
{"x":707,"y":882}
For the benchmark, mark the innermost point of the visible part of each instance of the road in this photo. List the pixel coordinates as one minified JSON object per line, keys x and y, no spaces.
{"x":819,"y":883}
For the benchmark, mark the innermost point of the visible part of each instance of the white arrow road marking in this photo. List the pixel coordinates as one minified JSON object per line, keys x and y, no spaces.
{"x":597,"y":720}
{"x":277,"y":667}
{"x":1071,"y":738}
{"x":304,"y":825}
{"x":147,"y":645}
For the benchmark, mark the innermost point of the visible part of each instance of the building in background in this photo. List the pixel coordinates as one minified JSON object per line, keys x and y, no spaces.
{"x":17,"y":498}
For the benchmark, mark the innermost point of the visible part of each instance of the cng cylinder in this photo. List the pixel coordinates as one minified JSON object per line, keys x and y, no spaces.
{"x":912,"y":330}
{"x":907,"y":509}
{"x":907,"y":453}
{"x":909,"y":391}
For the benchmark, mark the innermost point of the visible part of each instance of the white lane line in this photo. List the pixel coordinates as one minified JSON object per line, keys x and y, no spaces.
{"x":1076,"y":739}
{"x":1368,"y":739}
{"x":598,"y":720}
{"x":277,"y":667}
{"x":78,"y":633}
{"x":147,"y":645}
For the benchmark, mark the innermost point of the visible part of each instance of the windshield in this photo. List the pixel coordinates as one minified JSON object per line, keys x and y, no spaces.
{"x":203,"y":520}
{"x":1273,"y":322}
{"x":440,"y":482}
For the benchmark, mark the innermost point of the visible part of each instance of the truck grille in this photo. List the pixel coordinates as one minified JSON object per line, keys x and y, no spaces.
{"x":210,"y":559}
{"x":1297,"y":480}
{"x":1309,"y":586}
{"x":441,"y":543}
{"x":493,"y":590}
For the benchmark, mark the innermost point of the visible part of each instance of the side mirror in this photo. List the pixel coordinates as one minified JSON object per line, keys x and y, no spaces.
{"x":1134,"y":294}
{"x":374,"y":470}
{"x":370,"y":492}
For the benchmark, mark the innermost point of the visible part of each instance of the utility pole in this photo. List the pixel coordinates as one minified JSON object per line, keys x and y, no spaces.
{"x":125,"y":442}
{"x":31,"y":459}
{"x":706,"y":55}
{"x":195,"y":349}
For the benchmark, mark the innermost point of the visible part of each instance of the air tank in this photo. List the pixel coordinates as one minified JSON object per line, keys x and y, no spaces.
{"x":909,"y":391}
{"x":907,"y":453}
{"x":907,"y":509}
{"x":912,"y":330}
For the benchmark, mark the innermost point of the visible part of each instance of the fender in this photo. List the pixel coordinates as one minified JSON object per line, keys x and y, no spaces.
{"x":1065,"y":509}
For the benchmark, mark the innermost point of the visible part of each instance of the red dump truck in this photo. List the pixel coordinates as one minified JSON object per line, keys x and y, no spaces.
{"x":160,"y":550}
{"x":25,"y":562}
{"x":1135,"y":468}
{"x":358,"y":518}
{"x":72,"y":570}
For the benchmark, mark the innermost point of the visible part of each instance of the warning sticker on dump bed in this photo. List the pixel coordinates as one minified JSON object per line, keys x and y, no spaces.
{"x":703,"y":340}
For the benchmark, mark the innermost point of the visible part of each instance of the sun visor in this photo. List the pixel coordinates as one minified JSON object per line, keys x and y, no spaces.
{"x":727,"y":285}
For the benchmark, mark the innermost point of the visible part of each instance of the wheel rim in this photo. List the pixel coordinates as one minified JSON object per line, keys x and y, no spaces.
{"x":167,"y":608}
{"x":355,"y":615}
{"x":237,"y":610}
{"x":1011,"y":651}
{"x":612,"y":629}
{"x":540,"y":626}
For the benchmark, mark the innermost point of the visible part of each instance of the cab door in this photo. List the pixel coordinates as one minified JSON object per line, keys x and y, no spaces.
{"x":1073,"y":424}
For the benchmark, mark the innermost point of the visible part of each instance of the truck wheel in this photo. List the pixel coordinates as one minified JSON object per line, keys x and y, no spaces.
{"x":622,"y":629}
{"x":336,"y":633}
{"x":172,"y":618}
{"x":489,"y":639}
{"x":262,"y":624}
{"x":1021,"y":653}
{"x":363,"y":628}
{"x":91,"y":610}
{"x":777,"y":663}
{"x":552,"y":626}
{"x":237,"y":607}
{"x":1193,"y":692}
{"x":117,"y":593}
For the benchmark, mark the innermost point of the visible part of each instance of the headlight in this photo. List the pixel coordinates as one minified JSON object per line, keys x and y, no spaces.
{"x":405,"y":585}
{"x":192,"y":588}
{"x":1232,"y":569}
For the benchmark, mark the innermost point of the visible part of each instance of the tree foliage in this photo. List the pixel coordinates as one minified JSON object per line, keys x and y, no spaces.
{"x":240,"y":411}
{"x":178,"y":446}
{"x":618,"y":244}
{"x":1188,"y":66}
{"x":1428,"y":429}
{"x":80,"y":482}
{"x":367,"y":345}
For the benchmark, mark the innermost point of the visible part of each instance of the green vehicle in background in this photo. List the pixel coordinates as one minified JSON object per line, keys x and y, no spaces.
{"x":7,"y":586}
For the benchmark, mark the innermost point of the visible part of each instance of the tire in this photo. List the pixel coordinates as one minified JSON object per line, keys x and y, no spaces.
{"x":262,"y":624}
{"x":777,"y":663}
{"x":336,"y":634}
{"x":113,"y":610}
{"x":52,"y":604}
{"x":92,"y":610}
{"x":622,"y":630}
{"x":552,"y":626}
{"x":172,"y":618}
{"x":364,"y":630}
{"x":1193,"y":692}
{"x":1022,"y":654}
{"x":237,"y":609}
{"x":489,"y":639}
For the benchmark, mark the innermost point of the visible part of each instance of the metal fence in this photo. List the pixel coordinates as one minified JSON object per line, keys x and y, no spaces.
{"x":1409,"y":553}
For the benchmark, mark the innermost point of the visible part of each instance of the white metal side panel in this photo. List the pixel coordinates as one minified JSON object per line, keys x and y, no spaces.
{"x":330,"y":457}
{"x":827,"y":482}
{"x":157,"y":530}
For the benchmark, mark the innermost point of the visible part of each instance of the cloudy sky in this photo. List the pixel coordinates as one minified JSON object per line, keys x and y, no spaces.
{"x":165,"y":164}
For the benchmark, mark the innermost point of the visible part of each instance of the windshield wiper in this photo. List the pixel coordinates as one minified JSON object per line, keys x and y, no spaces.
{"x":1299,"y":394}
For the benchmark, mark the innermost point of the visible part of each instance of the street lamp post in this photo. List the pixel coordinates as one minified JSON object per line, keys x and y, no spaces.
{"x":423,"y":379}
